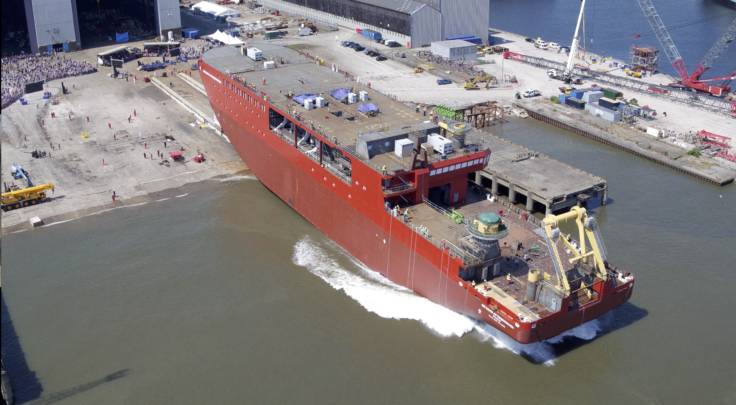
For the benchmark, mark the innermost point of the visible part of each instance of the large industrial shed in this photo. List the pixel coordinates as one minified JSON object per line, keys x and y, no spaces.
{"x":423,"y":21}
{"x":56,"y":23}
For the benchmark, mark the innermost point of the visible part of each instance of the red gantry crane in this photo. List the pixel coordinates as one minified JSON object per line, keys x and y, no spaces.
{"x":692,"y":81}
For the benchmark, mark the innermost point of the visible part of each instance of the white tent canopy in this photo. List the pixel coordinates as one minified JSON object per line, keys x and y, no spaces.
{"x":215,"y":9}
{"x":225,"y":38}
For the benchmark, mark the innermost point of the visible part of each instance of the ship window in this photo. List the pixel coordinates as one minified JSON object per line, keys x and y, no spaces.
{"x":433,"y":172}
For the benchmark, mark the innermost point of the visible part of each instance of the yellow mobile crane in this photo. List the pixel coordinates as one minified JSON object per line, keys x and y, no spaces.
{"x":25,"y":196}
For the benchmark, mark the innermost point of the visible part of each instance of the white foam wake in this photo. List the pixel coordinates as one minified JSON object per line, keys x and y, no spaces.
{"x":379,"y":295}
{"x":238,"y":178}
{"x":386,"y":299}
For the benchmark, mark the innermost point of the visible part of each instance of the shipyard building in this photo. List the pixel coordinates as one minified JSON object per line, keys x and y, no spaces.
{"x":67,"y":24}
{"x":416,"y":22}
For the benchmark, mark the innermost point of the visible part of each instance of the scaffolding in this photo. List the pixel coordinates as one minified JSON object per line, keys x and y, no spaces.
{"x":644,"y":58}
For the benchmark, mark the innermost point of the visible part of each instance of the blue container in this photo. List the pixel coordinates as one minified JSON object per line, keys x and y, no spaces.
{"x":372,"y":35}
{"x":608,"y":103}
{"x":575,"y":102}
{"x":562,"y":98}
{"x":577,"y":93}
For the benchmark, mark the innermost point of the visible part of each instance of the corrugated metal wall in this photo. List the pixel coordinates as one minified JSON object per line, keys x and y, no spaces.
{"x":465,"y":17}
{"x":369,"y":14}
{"x":51,"y":22}
{"x":168,"y":16}
{"x":327,"y":18}
{"x":426,"y":27}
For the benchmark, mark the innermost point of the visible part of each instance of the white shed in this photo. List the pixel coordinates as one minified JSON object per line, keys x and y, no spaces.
{"x":454,"y":49}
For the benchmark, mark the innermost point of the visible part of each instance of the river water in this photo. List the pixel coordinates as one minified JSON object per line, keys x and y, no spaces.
{"x":611,"y":27}
{"x":222,"y":294}
{"x":225,"y":295}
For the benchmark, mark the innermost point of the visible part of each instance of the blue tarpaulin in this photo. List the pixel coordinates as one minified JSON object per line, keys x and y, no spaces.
{"x":121,"y":37}
{"x":190,"y":33}
{"x":368,"y":108}
{"x":301,"y":98}
{"x":340,"y":94}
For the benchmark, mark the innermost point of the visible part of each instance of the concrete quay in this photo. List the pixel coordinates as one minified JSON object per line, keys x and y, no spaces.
{"x":97,"y":136}
{"x":629,"y":140}
{"x":540,"y":183}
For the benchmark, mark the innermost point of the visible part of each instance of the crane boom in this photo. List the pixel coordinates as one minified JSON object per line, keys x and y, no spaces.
{"x":664,"y":37}
{"x":715,"y":51}
{"x":574,"y":45}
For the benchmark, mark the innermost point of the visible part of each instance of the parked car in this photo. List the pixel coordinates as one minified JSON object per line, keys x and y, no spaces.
{"x":371,"y":53}
{"x":392,"y":44}
{"x":346,"y":43}
{"x":443,"y":81}
{"x":359,"y":48}
{"x":532,"y":93}
{"x":381,"y":58}
{"x":527,"y":39}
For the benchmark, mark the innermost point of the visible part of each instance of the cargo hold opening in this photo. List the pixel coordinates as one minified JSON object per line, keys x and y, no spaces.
{"x":280,"y":125}
{"x":335,"y":160}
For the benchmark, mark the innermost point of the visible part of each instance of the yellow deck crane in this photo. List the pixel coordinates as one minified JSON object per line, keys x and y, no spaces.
{"x":25,"y":196}
{"x":588,"y":250}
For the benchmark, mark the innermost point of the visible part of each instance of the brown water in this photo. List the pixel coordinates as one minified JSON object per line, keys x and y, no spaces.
{"x":224,"y":295}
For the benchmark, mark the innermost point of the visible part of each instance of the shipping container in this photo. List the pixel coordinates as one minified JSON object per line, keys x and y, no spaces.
{"x":608,"y":103}
{"x":592,"y":96}
{"x":254,"y":53}
{"x":574,"y":102}
{"x":577,"y":94}
{"x":273,"y":34}
{"x":562,"y":98}
{"x":612,"y":93}
{"x":604,"y":113}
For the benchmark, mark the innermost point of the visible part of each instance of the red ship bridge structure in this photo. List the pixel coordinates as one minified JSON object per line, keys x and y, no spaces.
{"x":394,"y":189}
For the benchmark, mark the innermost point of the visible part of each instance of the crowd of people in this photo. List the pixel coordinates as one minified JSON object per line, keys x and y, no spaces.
{"x":195,"y":48}
{"x":19,"y":70}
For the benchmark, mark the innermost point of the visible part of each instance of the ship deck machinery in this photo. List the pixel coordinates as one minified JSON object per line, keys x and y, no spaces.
{"x":413,"y":217}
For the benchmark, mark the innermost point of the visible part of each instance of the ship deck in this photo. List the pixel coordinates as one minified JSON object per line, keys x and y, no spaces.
{"x":509,"y":288}
{"x":338,"y":122}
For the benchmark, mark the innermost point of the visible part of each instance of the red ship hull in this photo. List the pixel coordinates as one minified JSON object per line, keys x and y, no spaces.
{"x":353,"y":215}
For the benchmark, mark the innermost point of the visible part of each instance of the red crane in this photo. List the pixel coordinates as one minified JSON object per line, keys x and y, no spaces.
{"x":694,"y":80}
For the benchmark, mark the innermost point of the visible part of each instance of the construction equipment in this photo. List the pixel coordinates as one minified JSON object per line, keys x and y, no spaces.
{"x":567,"y":74}
{"x":424,"y":67}
{"x":19,"y":172}
{"x":692,"y":81}
{"x":482,"y":77}
{"x":471,"y":84}
{"x":633,"y":73}
{"x":21,"y":197}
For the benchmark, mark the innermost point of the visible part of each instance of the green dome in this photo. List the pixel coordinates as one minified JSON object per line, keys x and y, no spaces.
{"x":489,"y":218}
